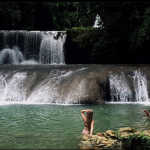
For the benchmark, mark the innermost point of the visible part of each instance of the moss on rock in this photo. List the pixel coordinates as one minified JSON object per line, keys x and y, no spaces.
{"x":124,"y":138}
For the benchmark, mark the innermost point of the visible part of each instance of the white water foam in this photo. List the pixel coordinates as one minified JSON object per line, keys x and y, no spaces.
{"x":48,"y":90}
{"x":29,"y":62}
{"x":77,"y":92}
{"x":140,"y":86}
{"x":15,"y":85}
{"x":137,"y":103}
{"x":35,"y":103}
{"x":13,"y":89}
{"x":51,"y":50}
{"x":33,"y":47}
{"x":119,"y":88}
{"x":11,"y":56}
{"x":97,"y":20}
{"x":121,"y":91}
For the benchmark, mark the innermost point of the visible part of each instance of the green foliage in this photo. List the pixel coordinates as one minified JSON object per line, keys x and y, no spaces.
{"x":141,"y":33}
{"x":85,"y":38}
{"x":39,"y":15}
{"x":117,"y":133}
{"x":83,"y":28}
{"x":9,"y":12}
{"x":140,"y":140}
{"x":126,"y":32}
{"x":147,"y":121}
{"x":44,"y":15}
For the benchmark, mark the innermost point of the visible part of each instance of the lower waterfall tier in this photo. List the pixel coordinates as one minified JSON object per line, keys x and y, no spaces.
{"x":74,"y":84}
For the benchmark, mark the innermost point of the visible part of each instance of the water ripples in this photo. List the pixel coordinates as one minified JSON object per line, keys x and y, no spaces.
{"x":59,"y":126}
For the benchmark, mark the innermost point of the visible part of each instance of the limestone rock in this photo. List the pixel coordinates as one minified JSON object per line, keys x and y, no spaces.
{"x":111,"y":133}
{"x":138,"y":132}
{"x":100,"y":134}
{"x":86,"y":137}
{"x":100,"y":139}
{"x":85,"y":145}
{"x":108,"y":140}
{"x":127,"y":129}
{"x":124,"y":132}
{"x":146,"y":132}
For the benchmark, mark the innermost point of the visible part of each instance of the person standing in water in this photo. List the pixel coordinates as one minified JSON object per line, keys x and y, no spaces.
{"x":88,"y":121}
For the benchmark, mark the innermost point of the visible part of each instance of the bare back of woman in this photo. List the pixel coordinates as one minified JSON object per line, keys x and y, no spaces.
{"x":88,"y":121}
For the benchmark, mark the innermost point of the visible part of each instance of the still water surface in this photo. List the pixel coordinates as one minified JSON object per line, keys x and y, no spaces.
{"x":60,"y":126}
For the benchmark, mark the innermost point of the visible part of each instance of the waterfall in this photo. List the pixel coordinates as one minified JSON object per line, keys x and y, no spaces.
{"x":97,"y":20}
{"x":28,"y":87}
{"x":34,"y":47}
{"x":11,"y":56}
{"x":71,"y":84}
{"x":140,"y":85}
{"x":13,"y":89}
{"x":121,"y":89}
{"x":51,"y":49}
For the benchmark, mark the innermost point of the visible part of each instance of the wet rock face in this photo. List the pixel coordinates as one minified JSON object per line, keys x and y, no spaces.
{"x":147,"y":132}
{"x":75,"y":84}
{"x":110,"y":139}
{"x":80,"y":87}
{"x":93,"y":92}
{"x":111,"y":133}
{"x":99,"y":141}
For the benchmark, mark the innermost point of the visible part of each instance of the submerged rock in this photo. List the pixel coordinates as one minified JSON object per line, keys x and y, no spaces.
{"x":20,"y":135}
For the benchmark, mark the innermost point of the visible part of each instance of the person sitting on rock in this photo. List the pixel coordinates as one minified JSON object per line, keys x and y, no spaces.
{"x":88,"y":122}
{"x":147,"y":113}
{"x":148,"y":117}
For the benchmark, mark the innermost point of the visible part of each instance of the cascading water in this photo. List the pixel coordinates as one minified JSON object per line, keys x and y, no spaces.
{"x":120,"y":87}
{"x":71,"y":84}
{"x":140,"y":85}
{"x":50,"y":90}
{"x":28,"y":87}
{"x":34,"y":47}
{"x":11,"y":56}
{"x":13,"y":89}
{"x":57,"y":85}
{"x":97,"y":20}
{"x":120,"y":90}
{"x":51,"y":51}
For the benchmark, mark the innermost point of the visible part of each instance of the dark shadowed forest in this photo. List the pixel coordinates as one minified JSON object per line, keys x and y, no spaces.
{"x":123,"y":37}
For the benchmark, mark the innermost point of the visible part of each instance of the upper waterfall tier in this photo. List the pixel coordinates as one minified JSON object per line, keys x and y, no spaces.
{"x":32,"y":47}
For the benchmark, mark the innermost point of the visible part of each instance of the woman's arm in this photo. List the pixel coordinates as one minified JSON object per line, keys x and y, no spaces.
{"x":82,"y":111}
{"x":92,"y":127}
{"x":82,"y":114}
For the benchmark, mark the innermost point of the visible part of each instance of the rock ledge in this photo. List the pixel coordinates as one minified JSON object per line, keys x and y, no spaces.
{"x":113,"y":140}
